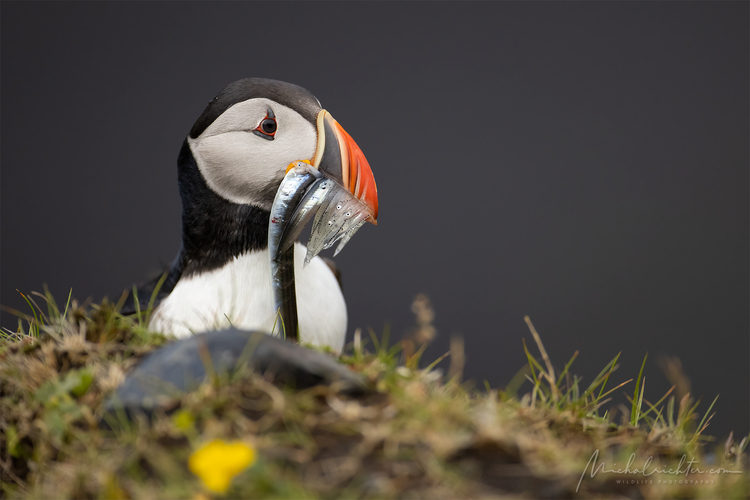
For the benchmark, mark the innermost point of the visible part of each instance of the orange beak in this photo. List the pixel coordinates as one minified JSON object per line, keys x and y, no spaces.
{"x":342,"y":160}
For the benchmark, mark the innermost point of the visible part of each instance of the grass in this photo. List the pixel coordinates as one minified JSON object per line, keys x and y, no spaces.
{"x":418,"y":436}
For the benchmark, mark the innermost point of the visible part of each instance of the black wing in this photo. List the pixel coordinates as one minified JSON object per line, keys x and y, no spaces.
{"x":145,"y":290}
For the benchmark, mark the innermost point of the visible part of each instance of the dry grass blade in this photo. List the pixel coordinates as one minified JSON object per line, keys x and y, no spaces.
{"x":550,"y":374}
{"x":458,"y":359}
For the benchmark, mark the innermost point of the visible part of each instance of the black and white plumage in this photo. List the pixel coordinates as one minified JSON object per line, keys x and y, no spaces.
{"x":229,"y":170}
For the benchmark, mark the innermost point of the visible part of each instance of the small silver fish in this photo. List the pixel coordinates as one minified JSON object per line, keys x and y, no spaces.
{"x":306,"y":192}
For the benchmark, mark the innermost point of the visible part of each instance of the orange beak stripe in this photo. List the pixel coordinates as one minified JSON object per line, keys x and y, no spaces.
{"x":357,"y":173}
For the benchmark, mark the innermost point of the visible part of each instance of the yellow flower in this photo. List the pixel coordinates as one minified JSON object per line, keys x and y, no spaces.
{"x":217,"y":462}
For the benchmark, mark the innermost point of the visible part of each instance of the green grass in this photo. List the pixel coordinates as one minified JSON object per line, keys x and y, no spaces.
{"x":421,"y":435}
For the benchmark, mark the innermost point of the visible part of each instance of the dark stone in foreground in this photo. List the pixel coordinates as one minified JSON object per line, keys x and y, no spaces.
{"x":181,"y":367}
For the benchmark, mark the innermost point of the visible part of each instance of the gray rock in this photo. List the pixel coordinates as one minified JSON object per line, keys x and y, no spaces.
{"x":180,"y":367}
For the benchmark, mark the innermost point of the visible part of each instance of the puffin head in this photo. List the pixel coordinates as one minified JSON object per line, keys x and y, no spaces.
{"x":236,"y":156}
{"x":245,"y":140}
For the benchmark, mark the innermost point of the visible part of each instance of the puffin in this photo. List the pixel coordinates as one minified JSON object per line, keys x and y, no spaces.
{"x":261,"y":147}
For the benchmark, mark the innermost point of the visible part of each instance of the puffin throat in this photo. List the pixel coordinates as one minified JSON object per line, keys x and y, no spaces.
{"x":214,"y":230}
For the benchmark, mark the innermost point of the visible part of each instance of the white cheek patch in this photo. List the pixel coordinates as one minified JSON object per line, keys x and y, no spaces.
{"x":231,"y":166}
{"x":242,"y":167}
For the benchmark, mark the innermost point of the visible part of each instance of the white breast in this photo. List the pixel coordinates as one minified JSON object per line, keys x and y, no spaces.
{"x":240,"y":294}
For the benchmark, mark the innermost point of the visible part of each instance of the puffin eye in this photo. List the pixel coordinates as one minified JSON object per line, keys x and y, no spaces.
{"x":268,"y":125}
{"x":267,"y":128}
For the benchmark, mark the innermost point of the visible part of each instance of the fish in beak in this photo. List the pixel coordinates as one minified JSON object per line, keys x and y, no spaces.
{"x":336,"y":187}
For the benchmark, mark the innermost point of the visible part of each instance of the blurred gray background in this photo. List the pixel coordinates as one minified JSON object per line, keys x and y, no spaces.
{"x":583,"y":163}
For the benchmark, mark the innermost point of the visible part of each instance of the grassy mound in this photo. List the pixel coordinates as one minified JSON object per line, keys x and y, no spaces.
{"x":418,"y":436}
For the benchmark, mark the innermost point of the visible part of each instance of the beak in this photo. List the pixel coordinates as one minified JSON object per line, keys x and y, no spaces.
{"x":341,"y":159}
